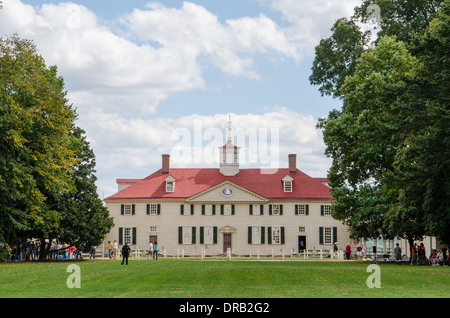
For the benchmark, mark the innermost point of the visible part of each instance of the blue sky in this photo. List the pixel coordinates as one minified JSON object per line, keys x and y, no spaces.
{"x":145,"y":75}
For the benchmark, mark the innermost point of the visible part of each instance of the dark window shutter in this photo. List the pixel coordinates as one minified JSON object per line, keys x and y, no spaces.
{"x":270,"y":209}
{"x":232,"y":209}
{"x":307,"y":209}
{"x":201,"y":235}
{"x":221,"y":209}
{"x":334,"y":234}
{"x":193,"y":235}
{"x":215,"y":235}
{"x":133,"y":238}
{"x":203,"y":209}
{"x":282,"y":235}
{"x":321,"y":235}
{"x":192,"y":209}
{"x":281,"y":209}
{"x":120,"y":235}
{"x":214,"y":209}
{"x":148,"y":209}
{"x":133,"y":209}
{"x":180,"y":235}
{"x":261,"y":209}
{"x":249,"y":235}
{"x":122,"y":209}
{"x":269,"y":235}
{"x":296,"y":209}
{"x":262,"y":234}
{"x":321,"y":210}
{"x":182,"y":209}
{"x":159,"y":209}
{"x":250,"y":209}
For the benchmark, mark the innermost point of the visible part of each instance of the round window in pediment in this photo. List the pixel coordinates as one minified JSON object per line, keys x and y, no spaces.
{"x":227,"y":192}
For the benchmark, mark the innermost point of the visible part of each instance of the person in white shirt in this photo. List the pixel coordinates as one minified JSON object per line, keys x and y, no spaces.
{"x":150,"y":250}
{"x":115,"y":248}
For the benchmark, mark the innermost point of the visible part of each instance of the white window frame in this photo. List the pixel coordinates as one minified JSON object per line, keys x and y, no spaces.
{"x":327,"y":235}
{"x":153,"y":228}
{"x":287,"y":186}
{"x":276,"y":209}
{"x":187,"y":234}
{"x":327,"y":210}
{"x":153,"y":210}
{"x":170,"y":186}
{"x":301,"y":229}
{"x":276,"y":235}
{"x":256,"y":234}
{"x":302,"y":209}
{"x":127,"y":209}
{"x":127,"y":235}
{"x":256,"y":207}
{"x":227,"y":209}
{"x":208,"y":234}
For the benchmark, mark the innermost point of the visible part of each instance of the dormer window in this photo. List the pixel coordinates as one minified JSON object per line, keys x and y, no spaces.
{"x":287,"y":183}
{"x":170,"y":184}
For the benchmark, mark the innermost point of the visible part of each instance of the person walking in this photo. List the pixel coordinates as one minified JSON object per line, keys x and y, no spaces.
{"x":110,"y":248}
{"x":150,"y":250}
{"x":414,"y":254}
{"x":115,"y":249}
{"x":335,"y":249}
{"x":421,"y":254}
{"x":348,"y":251}
{"x":125,"y":253}
{"x":398,"y":253}
{"x":155,"y":251}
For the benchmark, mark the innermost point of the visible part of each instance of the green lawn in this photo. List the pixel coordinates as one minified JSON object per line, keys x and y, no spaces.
{"x":171,"y":278}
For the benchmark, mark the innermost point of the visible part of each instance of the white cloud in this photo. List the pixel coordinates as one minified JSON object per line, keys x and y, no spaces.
{"x":196,"y":32}
{"x":112,"y":75}
{"x":310,"y":21}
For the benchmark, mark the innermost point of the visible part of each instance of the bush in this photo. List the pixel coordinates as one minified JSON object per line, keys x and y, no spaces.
{"x":5,"y":252}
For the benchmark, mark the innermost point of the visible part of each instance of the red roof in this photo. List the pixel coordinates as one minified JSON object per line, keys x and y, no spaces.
{"x":189,"y":182}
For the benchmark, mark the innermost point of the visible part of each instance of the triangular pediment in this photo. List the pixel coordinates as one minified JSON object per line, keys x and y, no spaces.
{"x":227,"y":191}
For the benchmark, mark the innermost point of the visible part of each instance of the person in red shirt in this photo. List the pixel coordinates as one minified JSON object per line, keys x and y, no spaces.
{"x":348,"y":251}
{"x":414,"y":254}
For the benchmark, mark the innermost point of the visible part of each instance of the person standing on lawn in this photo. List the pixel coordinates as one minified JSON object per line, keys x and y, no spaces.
{"x":125,"y":253}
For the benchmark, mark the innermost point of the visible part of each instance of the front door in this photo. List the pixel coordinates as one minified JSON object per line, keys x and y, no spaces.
{"x":226,"y":241}
{"x":153,"y":239}
{"x":301,"y":243}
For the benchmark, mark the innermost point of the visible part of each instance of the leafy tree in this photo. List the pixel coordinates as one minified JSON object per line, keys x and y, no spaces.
{"x":390,"y":141}
{"x":35,"y":153}
{"x":47,"y":170}
{"x":337,"y":56}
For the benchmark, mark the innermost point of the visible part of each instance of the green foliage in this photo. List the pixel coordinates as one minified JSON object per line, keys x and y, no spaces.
{"x":35,"y":122}
{"x":390,"y":142}
{"x":5,"y":253}
{"x":46,"y":166}
{"x":336,"y":56}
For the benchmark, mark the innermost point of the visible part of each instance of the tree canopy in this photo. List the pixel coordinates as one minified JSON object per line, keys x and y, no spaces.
{"x":390,"y":141}
{"x":42,"y":152}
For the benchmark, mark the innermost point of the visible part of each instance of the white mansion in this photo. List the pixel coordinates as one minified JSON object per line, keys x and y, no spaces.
{"x":248,"y":211}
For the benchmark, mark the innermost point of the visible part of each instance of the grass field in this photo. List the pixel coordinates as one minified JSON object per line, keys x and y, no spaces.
{"x":171,"y":278}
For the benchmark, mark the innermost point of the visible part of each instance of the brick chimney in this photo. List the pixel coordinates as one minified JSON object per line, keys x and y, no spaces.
{"x":293,"y":163}
{"x":165,"y":163}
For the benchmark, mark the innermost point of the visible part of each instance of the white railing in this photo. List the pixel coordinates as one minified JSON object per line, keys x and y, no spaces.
{"x":321,"y":254}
